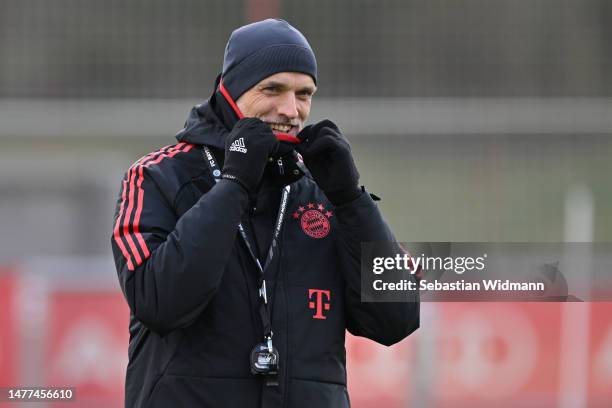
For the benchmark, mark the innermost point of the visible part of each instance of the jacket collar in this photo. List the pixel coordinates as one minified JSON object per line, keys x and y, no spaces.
{"x":209,"y":123}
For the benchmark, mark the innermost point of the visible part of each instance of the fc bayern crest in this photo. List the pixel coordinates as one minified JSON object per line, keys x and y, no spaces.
{"x":314,"y":220}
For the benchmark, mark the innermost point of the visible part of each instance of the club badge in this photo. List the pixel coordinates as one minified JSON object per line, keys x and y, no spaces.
{"x":314,"y":220}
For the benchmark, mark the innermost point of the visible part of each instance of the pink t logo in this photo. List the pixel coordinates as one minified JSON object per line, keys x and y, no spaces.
{"x":319,"y":304}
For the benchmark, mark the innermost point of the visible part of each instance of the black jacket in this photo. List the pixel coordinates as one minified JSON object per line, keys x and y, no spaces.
{"x":192,"y":287}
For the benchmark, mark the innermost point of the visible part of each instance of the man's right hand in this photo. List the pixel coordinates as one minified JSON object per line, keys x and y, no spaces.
{"x":247,"y":149}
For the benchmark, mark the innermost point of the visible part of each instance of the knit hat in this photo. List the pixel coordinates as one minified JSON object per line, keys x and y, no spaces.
{"x":258,"y":50}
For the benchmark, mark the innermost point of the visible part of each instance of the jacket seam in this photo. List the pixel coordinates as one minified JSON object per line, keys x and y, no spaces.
{"x":217,"y":377}
{"x":283,"y":281}
{"x":163,"y":371}
{"x":183,"y":186}
{"x":319,"y":381}
{"x":155,"y":384}
{"x":161,"y":194}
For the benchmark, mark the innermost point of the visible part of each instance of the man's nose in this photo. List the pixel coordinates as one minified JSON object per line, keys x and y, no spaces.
{"x":288,"y":106}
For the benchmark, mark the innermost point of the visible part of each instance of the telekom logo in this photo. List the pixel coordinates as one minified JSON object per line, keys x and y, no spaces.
{"x":318,"y":304}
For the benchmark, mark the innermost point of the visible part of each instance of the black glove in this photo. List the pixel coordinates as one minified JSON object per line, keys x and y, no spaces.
{"x":247,"y":149}
{"x":327,"y":155}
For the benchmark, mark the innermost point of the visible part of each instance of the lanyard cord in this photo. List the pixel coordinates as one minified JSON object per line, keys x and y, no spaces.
{"x":264,"y":310}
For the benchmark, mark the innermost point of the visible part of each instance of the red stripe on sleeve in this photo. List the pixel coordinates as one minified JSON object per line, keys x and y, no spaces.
{"x":128,"y":214}
{"x":137,"y":233}
{"x":122,"y":247}
{"x":117,"y":229}
{"x":126,"y":222}
{"x":136,"y":188}
{"x":181,"y":147}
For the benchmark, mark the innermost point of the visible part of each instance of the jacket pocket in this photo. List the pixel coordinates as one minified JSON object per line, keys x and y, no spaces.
{"x":309,"y":393}
{"x":177,"y":391}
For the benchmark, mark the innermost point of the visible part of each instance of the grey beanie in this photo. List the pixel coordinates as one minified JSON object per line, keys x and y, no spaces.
{"x":258,"y":50}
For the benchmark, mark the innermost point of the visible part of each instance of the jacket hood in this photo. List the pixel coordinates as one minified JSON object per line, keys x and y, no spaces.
{"x":210,"y":122}
{"x":203,"y":127}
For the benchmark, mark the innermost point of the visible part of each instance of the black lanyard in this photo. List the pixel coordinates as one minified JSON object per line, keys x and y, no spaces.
{"x":263,"y":296}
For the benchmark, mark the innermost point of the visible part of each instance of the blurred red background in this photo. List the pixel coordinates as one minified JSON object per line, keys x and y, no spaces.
{"x":465,"y":354}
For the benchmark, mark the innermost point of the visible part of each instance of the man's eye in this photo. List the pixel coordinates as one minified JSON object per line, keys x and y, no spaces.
{"x":271,"y":89}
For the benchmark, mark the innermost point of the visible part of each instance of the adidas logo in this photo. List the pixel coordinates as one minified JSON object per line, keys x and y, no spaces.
{"x":238,"y":146}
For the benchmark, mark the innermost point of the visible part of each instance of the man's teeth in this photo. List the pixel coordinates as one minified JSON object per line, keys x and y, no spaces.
{"x":279,"y":127}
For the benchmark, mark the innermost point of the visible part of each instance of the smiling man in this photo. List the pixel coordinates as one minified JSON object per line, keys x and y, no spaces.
{"x":238,"y":248}
{"x":282,"y":101}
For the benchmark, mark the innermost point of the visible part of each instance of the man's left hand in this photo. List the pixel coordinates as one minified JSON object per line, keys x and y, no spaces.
{"x":327,"y":154}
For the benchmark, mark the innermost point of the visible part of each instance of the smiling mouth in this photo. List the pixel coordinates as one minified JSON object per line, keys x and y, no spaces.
{"x":282,"y":127}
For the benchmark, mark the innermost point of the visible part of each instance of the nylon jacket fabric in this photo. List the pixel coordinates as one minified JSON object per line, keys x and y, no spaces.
{"x":191,"y":284}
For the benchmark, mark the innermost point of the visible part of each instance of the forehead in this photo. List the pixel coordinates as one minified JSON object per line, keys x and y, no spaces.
{"x":290,"y":80}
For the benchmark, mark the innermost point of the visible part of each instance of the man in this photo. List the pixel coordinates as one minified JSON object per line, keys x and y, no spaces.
{"x":239,"y":260}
